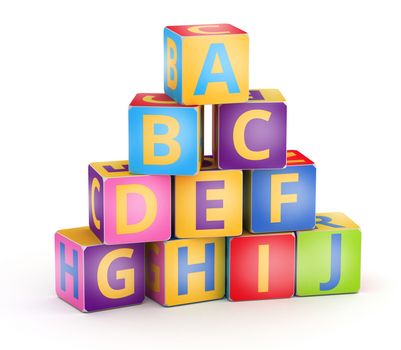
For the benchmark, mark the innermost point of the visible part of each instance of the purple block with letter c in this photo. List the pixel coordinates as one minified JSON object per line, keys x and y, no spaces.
{"x":251,"y":135}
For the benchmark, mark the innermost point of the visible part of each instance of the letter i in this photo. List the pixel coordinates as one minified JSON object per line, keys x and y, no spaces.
{"x":263,"y":268}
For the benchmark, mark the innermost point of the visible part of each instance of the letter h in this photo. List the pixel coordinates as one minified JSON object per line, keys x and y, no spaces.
{"x":184,"y":268}
{"x":72,"y":270}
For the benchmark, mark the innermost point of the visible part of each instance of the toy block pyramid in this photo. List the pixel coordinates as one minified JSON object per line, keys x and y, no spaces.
{"x":180,"y":227}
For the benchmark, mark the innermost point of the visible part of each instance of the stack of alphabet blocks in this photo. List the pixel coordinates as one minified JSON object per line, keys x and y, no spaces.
{"x":181,"y":228}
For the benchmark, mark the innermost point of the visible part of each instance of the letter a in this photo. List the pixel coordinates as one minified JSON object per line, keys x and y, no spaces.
{"x":206,"y":76}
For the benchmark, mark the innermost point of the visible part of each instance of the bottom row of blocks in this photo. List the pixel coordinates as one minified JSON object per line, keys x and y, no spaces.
{"x":92,"y":276}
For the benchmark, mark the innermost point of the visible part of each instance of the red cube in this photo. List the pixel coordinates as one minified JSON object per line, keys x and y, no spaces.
{"x":261,"y":266}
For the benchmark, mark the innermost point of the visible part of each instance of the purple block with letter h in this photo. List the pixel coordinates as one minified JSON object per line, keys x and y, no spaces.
{"x":92,"y":276}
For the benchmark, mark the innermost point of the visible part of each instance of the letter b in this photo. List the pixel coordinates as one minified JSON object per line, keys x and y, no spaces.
{"x":150,"y":140}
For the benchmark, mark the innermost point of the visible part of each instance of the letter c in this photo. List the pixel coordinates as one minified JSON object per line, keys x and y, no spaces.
{"x":199,"y":29}
{"x":94,"y":187}
{"x":239,"y":135}
{"x":151,"y":99}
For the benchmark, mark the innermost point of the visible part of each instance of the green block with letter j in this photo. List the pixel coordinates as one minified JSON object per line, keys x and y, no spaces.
{"x":329,"y":257}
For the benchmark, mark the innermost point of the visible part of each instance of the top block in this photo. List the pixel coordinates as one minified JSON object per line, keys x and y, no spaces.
{"x":206,"y":64}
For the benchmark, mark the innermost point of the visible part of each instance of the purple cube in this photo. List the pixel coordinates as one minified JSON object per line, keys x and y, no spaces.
{"x":251,"y":135}
{"x":92,"y":276}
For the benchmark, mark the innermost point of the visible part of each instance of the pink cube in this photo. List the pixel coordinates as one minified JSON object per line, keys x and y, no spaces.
{"x":126,"y":208}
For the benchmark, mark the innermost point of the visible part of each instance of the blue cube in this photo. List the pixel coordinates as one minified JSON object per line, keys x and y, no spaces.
{"x":281,"y":199}
{"x":165,"y":138}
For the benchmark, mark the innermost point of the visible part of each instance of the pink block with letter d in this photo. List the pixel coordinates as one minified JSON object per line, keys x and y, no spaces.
{"x":126,"y":208}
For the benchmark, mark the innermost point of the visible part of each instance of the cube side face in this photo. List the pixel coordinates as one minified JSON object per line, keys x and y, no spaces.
{"x":96,"y":214}
{"x":328,"y":262}
{"x":283,"y":200}
{"x":69,"y":272}
{"x":215,"y":69}
{"x":164,"y":140}
{"x":173,"y":65}
{"x":247,"y":200}
{"x":154,"y":270}
{"x":261,"y":267}
{"x":137,"y":209}
{"x":114,"y":276}
{"x":209,"y":204}
{"x":252,"y":135}
{"x":195,"y":270}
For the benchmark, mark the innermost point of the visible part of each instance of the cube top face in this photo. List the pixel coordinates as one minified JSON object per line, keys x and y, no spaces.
{"x":261,"y":266}
{"x":330,"y":221}
{"x":109,"y":169}
{"x":92,"y":276}
{"x":328,"y":261}
{"x":205,"y":29}
{"x":251,"y":135}
{"x":265,"y":95}
{"x":246,"y":233}
{"x":297,"y":158}
{"x":208,"y":204}
{"x":165,"y":140}
{"x":279,"y":200}
{"x":154,"y":100}
{"x":81,"y":236}
{"x":194,"y":270}
{"x":126,"y":208}
{"x":206,"y":68}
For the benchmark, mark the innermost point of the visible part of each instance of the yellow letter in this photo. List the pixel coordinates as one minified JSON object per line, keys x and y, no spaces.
{"x":95,"y":187}
{"x":122,"y":192}
{"x":239,"y":135}
{"x":199,"y":29}
{"x":126,"y":275}
{"x":290,"y":155}
{"x":171,"y":64}
{"x":277,"y":198}
{"x":263,"y":268}
{"x":150,"y":139}
{"x":152,"y":283}
{"x":151,"y":99}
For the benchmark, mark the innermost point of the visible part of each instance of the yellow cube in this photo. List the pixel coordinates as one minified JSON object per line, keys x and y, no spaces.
{"x":208,"y":204}
{"x":183,"y":271}
{"x":206,"y":64}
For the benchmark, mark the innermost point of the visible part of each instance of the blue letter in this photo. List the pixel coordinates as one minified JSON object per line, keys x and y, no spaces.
{"x":335,"y":263}
{"x":72,"y":270}
{"x":326,"y":221}
{"x":207,"y":76}
{"x":184,"y":268}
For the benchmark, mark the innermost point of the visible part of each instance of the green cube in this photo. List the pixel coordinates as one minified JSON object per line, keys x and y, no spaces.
{"x":329,"y":257}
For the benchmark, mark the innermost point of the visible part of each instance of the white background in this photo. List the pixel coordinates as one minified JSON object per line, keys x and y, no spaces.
{"x":68,"y":72}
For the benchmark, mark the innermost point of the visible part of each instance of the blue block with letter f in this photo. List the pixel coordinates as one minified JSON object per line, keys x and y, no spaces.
{"x":280,"y":200}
